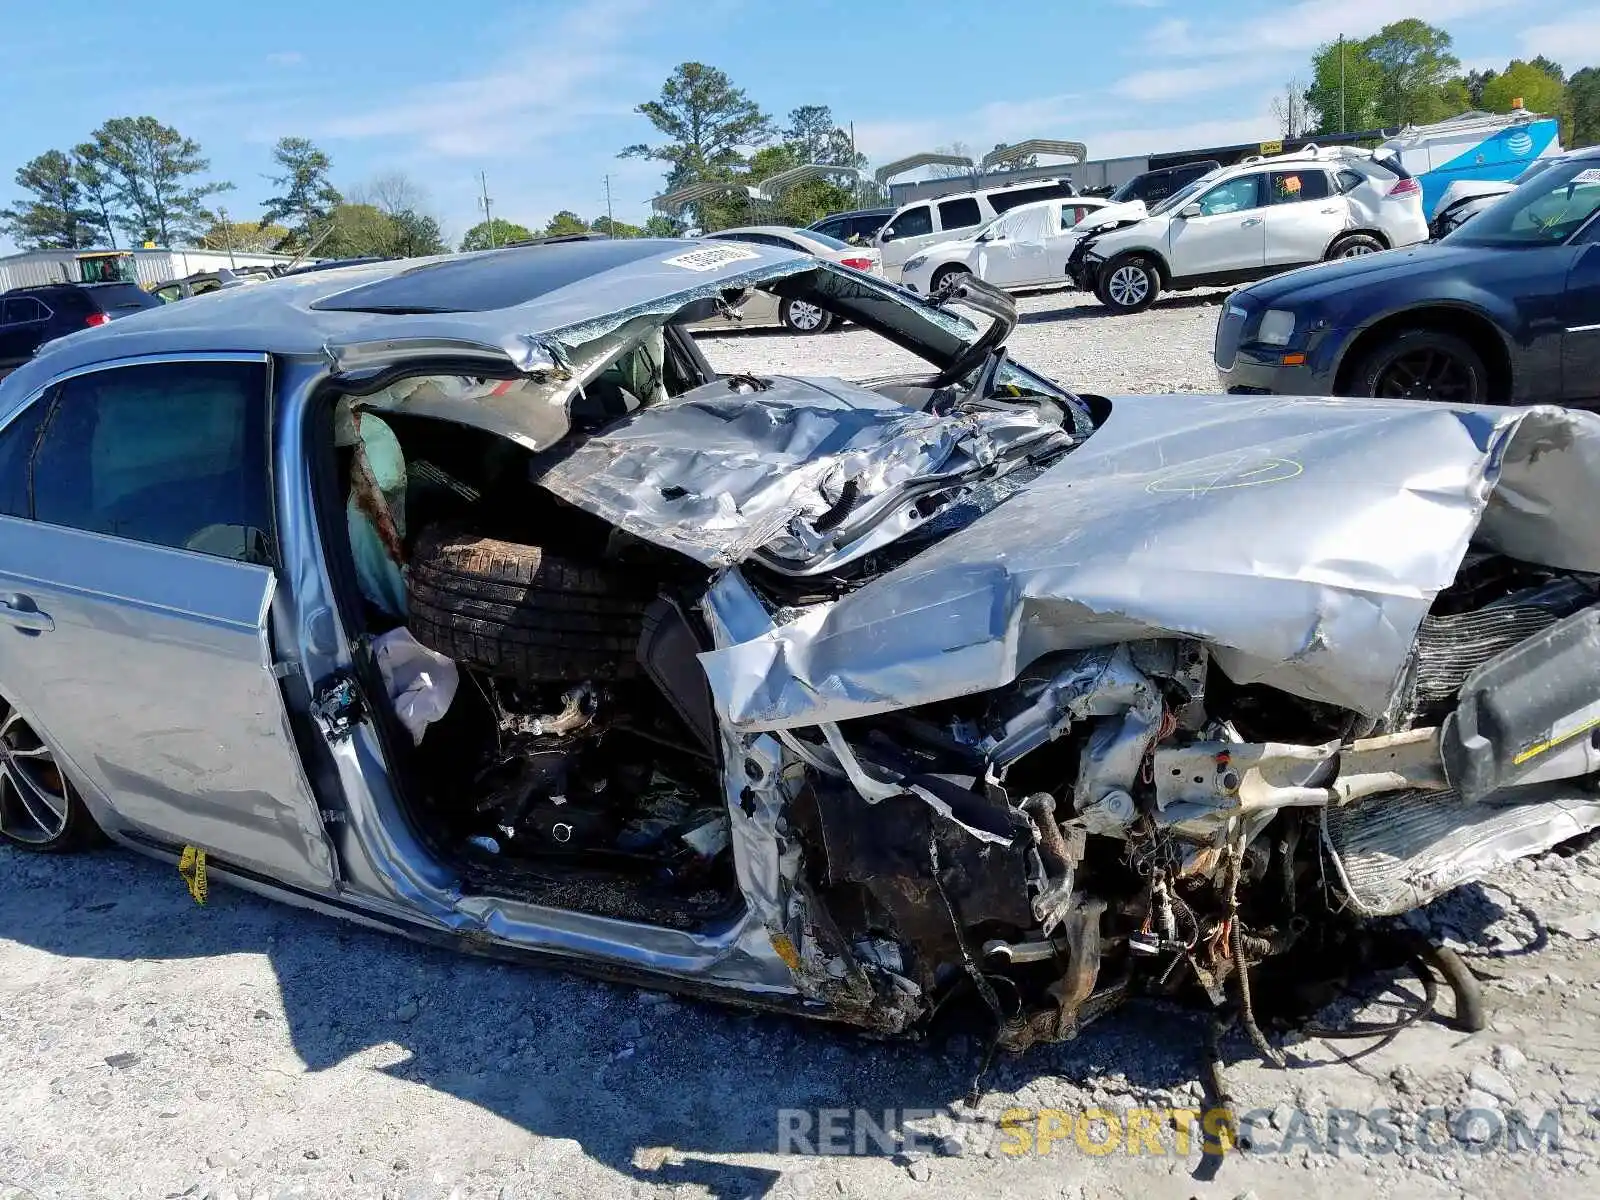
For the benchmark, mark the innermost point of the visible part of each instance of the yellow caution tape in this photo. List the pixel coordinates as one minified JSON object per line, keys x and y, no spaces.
{"x":192,"y":866}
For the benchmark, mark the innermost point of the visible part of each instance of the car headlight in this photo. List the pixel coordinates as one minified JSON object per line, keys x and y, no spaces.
{"x":915,"y":261}
{"x":1276,"y":328}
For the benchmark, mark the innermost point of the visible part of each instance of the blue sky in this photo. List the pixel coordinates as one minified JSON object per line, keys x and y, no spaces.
{"x":540,"y":95}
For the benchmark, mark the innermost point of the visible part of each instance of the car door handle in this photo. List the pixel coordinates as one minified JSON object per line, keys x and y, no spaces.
{"x":1249,"y":221}
{"x":1330,"y":211}
{"x":20,"y":612}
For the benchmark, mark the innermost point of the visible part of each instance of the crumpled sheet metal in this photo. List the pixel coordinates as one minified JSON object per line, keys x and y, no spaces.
{"x":1301,"y":538}
{"x":717,"y":473}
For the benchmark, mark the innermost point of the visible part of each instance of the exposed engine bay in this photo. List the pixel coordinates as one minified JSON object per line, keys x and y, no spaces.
{"x":874,"y":663}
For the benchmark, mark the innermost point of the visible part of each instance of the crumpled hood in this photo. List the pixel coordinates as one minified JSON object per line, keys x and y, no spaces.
{"x":1302,"y":538}
{"x":729,"y":467}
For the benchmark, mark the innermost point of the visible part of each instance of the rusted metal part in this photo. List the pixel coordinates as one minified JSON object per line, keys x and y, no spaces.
{"x":1081,"y":930}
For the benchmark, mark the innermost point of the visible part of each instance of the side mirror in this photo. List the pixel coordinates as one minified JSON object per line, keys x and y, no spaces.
{"x":1190,"y":210}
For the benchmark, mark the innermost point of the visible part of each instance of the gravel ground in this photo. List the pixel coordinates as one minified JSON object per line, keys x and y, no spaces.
{"x":151,"y":1048}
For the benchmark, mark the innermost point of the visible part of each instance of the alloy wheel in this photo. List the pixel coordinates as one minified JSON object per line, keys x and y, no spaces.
{"x":807,"y":318}
{"x":1128,"y":286}
{"x":34,"y":796}
{"x":1427,"y":374}
{"x":1357,"y":249}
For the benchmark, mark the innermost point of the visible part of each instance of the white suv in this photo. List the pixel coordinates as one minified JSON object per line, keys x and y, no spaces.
{"x":1245,"y":222}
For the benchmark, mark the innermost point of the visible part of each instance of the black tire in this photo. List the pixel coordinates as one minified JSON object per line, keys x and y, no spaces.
{"x":803,"y":317}
{"x":1354,"y":245}
{"x":40,"y":810}
{"x":1117,"y":288}
{"x":518,"y":612}
{"x":1422,"y":364}
{"x":943,"y":276}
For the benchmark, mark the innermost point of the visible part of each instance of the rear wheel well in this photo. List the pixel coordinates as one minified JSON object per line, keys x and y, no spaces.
{"x":1476,"y":330}
{"x":1377,"y":234}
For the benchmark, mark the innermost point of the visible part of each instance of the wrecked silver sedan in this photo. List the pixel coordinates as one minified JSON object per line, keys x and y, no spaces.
{"x":461,"y":597}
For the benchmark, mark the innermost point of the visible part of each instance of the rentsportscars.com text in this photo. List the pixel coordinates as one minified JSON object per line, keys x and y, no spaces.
{"x":1160,"y":1132}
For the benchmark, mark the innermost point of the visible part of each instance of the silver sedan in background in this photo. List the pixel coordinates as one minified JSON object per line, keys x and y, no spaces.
{"x":762,"y":310}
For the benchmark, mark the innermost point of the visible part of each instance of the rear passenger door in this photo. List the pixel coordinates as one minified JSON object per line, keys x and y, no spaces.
{"x":1303,"y":216}
{"x":135,"y":593}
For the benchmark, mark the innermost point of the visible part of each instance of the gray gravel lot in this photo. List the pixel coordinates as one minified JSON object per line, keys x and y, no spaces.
{"x":151,"y":1048}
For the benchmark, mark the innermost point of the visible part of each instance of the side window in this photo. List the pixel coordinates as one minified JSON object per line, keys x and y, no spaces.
{"x":16,"y":447}
{"x":1235,"y":195}
{"x":1006,"y":201}
{"x":958,"y":214}
{"x":1290,"y":187}
{"x":1349,"y":181}
{"x":835,"y":229}
{"x":914,"y":222}
{"x":20,"y":309}
{"x":1071,"y":215}
{"x":171,"y":454}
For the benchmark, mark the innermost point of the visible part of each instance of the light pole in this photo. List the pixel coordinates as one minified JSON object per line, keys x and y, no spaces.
{"x":483,"y":203}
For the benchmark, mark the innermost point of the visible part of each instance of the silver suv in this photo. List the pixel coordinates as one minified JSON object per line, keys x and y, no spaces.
{"x":1245,"y":222}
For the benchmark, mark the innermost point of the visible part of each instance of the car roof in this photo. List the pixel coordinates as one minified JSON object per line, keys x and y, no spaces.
{"x":495,"y":299}
{"x":854,"y":212}
{"x":776,"y":230}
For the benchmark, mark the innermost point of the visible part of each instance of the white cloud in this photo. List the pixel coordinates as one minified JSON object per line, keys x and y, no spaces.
{"x":286,"y":58}
{"x":514,"y":105}
{"x":1141,"y":3}
{"x":1174,"y":83}
{"x":979,"y":130}
{"x":1573,"y":42}
{"x":1305,"y":25}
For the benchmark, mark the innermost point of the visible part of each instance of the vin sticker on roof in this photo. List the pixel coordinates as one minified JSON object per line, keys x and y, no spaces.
{"x":711,"y":258}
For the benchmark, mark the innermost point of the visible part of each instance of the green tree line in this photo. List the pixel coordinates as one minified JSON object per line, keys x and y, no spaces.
{"x":1407,"y":74}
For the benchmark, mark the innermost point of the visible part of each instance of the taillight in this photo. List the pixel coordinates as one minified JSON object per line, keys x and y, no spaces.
{"x":1405,"y":187}
{"x":96,"y":318}
{"x":860,"y":264}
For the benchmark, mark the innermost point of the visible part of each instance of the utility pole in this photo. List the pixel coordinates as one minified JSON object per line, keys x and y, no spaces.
{"x":483,"y":203}
{"x":227,"y":232}
{"x":611,"y":224}
{"x":1342,"y":126}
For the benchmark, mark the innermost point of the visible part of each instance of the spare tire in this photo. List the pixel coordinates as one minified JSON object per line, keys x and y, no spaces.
{"x":518,"y":612}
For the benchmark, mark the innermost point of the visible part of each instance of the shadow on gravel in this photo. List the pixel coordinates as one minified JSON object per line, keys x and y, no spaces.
{"x":646,"y":1085}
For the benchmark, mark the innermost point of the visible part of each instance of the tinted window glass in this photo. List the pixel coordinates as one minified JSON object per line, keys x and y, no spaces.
{"x":1006,"y":201}
{"x":958,"y":214}
{"x":1350,"y":180}
{"x":1232,"y":196}
{"x":173,"y":454}
{"x":816,"y":235}
{"x":914,"y":222}
{"x":122,"y":299}
{"x":1290,"y":187}
{"x":833,"y":228}
{"x":16,"y":445}
{"x":23,"y":308}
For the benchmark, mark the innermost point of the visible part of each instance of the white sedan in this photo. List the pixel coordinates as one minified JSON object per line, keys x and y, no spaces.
{"x":1026,"y":247}
{"x":762,"y":310}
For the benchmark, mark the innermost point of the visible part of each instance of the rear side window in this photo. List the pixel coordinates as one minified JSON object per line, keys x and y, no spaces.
{"x":1290,"y":187}
{"x":19,"y":309}
{"x":1349,"y":181}
{"x":834,"y":229}
{"x":958,"y":214}
{"x":170,"y":454}
{"x":914,"y":222}
{"x":1007,"y":200}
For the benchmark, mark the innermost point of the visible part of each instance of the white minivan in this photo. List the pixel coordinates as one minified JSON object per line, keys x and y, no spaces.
{"x":941,"y":218}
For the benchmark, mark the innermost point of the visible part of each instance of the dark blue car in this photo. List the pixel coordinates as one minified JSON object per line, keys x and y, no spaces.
{"x":1504,"y":310}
